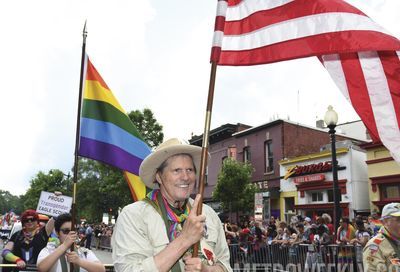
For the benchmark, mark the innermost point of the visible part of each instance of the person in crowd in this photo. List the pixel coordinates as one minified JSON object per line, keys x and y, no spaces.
{"x":88,"y":235}
{"x":382,"y":252}
{"x":157,"y":233}
{"x":24,"y":246}
{"x":362,"y":235}
{"x":97,"y":235}
{"x":345,"y":233}
{"x":328,"y":222}
{"x":320,"y":221}
{"x":301,"y":237}
{"x":322,"y":237}
{"x":307,"y":223}
{"x":56,"y":256}
{"x":271,"y":233}
{"x":233,"y":234}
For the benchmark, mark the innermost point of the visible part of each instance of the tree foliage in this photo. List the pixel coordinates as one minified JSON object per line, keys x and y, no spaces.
{"x":147,"y":126}
{"x":54,"y":180}
{"x":9,"y":202}
{"x":234,"y":188}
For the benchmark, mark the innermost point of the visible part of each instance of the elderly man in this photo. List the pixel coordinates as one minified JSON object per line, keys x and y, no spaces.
{"x":157,"y":233}
{"x":382,"y":252}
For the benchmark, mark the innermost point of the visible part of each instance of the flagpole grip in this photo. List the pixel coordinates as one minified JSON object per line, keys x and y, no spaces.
{"x":204,"y":151}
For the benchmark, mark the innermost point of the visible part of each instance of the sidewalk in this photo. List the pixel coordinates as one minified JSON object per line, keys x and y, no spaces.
{"x":103,"y":255}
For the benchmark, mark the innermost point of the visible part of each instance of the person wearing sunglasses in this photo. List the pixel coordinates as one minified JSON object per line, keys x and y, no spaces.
{"x":24,"y":246}
{"x":56,"y":256}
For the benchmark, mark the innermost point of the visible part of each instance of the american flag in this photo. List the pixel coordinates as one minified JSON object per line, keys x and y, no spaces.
{"x":361,"y":56}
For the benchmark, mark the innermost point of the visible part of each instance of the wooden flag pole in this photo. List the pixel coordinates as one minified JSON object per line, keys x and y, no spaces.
{"x":204,"y":150}
{"x":77,"y":136}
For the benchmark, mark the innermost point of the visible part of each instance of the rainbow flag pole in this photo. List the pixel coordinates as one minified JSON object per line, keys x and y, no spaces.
{"x":77,"y":136}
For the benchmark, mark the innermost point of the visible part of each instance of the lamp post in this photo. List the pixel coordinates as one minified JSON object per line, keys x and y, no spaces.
{"x":330,"y":120}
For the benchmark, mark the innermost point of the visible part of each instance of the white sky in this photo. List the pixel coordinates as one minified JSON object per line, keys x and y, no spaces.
{"x":151,"y":53}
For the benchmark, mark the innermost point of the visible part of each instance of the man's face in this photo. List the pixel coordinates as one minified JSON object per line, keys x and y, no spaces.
{"x":177,"y":179}
{"x":392,"y":224}
{"x":64,"y":230}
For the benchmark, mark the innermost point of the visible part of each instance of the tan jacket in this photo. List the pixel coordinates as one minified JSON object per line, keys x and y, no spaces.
{"x":379,"y":255}
{"x":140,"y":234}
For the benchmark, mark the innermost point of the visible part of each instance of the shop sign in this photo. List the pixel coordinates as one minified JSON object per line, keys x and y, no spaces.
{"x":317,"y":177}
{"x":302,"y":170}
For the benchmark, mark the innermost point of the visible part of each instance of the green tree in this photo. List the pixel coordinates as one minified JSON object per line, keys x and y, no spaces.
{"x":10,"y":202}
{"x":54,"y":180}
{"x":147,"y":126}
{"x":234,"y":188}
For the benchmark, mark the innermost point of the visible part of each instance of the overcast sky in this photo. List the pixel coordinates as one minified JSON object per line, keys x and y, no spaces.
{"x":153,"y":54}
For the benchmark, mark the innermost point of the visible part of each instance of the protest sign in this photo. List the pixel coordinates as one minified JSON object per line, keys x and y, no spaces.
{"x":53,"y":205}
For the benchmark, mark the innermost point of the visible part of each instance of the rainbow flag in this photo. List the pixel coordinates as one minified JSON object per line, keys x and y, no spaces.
{"x":107,"y":134}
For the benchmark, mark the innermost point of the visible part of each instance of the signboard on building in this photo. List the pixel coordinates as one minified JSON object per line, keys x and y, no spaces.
{"x":301,"y":179}
{"x":258,"y":206}
{"x":302,"y":170}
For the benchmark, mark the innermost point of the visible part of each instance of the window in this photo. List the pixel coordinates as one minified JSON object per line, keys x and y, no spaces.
{"x":390,"y":191}
{"x":317,"y":197}
{"x":246,"y":154}
{"x":268,"y":156}
{"x":232,"y":152}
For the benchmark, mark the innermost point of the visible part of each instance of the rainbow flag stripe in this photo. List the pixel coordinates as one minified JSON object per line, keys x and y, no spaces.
{"x":107,"y":134}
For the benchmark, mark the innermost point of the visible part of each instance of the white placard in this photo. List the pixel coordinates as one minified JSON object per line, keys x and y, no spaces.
{"x":53,"y":205}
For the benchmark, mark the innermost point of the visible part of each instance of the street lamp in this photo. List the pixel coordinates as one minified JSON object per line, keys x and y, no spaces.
{"x":331,"y":119}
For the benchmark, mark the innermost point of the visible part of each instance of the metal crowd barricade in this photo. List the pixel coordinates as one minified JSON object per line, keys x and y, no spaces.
{"x":30,"y":268}
{"x":296,"y":258}
{"x":102,"y":242}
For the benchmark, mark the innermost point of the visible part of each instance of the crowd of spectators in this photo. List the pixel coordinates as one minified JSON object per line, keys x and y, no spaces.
{"x":303,"y":230}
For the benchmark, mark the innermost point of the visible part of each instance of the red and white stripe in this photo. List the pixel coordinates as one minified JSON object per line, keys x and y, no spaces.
{"x":249,"y":32}
{"x":360,"y":55}
{"x":371,"y":82}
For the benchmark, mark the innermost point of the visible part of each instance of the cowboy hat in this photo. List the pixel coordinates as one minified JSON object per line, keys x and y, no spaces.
{"x":171,"y":147}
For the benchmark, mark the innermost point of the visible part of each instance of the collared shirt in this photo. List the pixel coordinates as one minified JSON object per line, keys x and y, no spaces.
{"x":379,"y":255}
{"x":140,"y":234}
{"x":83,"y":253}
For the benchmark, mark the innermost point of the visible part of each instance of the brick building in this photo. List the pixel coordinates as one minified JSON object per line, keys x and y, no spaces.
{"x":263,"y":146}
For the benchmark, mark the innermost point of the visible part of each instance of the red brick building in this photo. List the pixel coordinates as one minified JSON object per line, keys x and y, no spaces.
{"x":263,"y":146}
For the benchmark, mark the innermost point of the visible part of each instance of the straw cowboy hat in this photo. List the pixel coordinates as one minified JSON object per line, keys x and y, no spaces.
{"x":171,"y":147}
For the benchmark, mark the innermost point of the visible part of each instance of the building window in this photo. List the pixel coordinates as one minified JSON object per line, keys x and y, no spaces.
{"x":317,"y":197}
{"x":390,"y":191}
{"x":246,"y":154}
{"x":268,"y":156}
{"x":232,"y":152}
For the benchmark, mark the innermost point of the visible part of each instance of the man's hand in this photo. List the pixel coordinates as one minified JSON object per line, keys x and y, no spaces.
{"x":21,"y":263}
{"x":73,"y":257}
{"x":192,"y":264}
{"x":71,"y":238}
{"x":193,"y":228}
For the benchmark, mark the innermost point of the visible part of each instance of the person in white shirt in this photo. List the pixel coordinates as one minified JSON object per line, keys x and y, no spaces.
{"x":157,"y":233}
{"x":56,"y":256}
